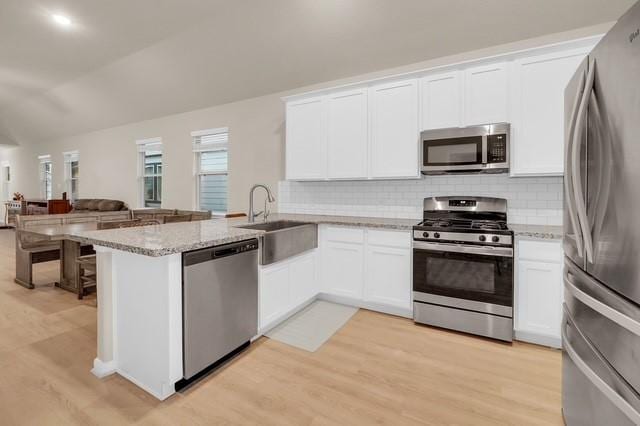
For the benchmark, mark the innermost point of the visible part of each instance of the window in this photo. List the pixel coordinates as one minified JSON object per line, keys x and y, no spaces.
{"x":71,"y":173}
{"x":45,"y":176}
{"x":210,"y":148}
{"x":150,"y":166}
{"x":6,"y":182}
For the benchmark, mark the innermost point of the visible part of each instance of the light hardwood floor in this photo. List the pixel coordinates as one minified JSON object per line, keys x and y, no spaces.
{"x":377,"y":369}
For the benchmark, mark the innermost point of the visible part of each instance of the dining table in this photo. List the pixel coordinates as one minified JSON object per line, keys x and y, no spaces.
{"x":70,"y":247}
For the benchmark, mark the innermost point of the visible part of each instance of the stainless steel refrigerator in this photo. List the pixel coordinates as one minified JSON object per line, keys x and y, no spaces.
{"x":601,"y":323}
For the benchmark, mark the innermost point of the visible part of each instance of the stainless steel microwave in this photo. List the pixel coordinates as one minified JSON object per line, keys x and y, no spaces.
{"x":475,"y":149}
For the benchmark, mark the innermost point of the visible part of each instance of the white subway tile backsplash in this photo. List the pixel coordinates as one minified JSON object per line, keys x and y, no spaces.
{"x":530,"y":200}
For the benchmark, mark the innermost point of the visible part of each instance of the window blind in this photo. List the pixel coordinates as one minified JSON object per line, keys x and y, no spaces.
{"x":210,"y":140}
{"x":149,"y":145}
{"x":210,"y":147}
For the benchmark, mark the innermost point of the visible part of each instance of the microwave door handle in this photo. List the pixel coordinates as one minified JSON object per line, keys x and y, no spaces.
{"x":568,"y":183}
{"x":575,"y":161}
{"x":484,"y":149}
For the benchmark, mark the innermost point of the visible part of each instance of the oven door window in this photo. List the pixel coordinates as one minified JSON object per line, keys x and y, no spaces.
{"x":462,"y":151}
{"x":481,"y":278}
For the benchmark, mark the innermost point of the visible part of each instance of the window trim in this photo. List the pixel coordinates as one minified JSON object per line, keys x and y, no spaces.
{"x":144,"y":146}
{"x":46,"y":191}
{"x":71,"y":157}
{"x":200,"y":148}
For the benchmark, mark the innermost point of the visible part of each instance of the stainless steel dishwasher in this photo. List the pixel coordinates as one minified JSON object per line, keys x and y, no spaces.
{"x":220,"y":304}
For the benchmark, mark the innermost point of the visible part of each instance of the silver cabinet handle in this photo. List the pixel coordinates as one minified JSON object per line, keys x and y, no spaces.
{"x":606,"y":390}
{"x":575,"y":167}
{"x":603,"y":309}
{"x":456,"y":248}
{"x":568,"y":183}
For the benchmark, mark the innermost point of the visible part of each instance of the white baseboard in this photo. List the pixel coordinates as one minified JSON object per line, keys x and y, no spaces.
{"x":103,"y":369}
{"x":539,"y":339}
{"x":276,"y":321}
{"x":378,"y":307}
{"x":385,"y":309}
{"x":166,"y":392}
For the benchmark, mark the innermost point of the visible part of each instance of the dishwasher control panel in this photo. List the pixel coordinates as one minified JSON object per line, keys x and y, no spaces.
{"x":218,"y":252}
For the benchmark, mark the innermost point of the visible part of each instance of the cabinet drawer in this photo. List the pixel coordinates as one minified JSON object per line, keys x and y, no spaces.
{"x":344,"y":235}
{"x":542,"y":251}
{"x":400,"y":239}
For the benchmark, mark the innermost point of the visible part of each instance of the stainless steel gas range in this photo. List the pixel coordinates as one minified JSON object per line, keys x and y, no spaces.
{"x":463,"y":266}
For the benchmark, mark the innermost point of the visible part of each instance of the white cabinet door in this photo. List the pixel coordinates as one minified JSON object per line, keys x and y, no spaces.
{"x":485,"y":94}
{"x":441,"y":97}
{"x":274,"y":293}
{"x":306,"y":157}
{"x":394,"y":130}
{"x":302,"y":279}
{"x":539,"y":306}
{"x":347,"y":139}
{"x":343,"y":269}
{"x":388,"y":276}
{"x":537,"y":132}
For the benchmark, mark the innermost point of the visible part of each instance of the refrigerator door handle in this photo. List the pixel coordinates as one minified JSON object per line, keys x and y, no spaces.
{"x":576,"y":173}
{"x":602,"y":386}
{"x":568,"y":184}
{"x":605,"y":310}
{"x":604,"y":156}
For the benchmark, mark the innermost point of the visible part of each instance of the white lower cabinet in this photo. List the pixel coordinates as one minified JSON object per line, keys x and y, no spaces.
{"x":388,"y":268}
{"x":343,"y":269}
{"x":368,"y":268}
{"x":284,"y":287}
{"x":302,"y":280}
{"x":539,"y":292}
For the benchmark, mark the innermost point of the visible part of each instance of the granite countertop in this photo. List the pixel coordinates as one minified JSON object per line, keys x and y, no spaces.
{"x":545,"y":232}
{"x":161,"y":240}
{"x":170,"y":238}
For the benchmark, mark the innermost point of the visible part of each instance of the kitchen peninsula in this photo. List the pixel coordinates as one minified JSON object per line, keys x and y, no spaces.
{"x":140,"y":275}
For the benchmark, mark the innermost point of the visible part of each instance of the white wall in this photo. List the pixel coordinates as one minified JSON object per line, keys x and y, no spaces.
{"x":108,"y":166}
{"x":108,"y":158}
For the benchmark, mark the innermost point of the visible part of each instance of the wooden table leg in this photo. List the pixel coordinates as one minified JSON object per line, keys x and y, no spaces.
{"x":68,"y":255}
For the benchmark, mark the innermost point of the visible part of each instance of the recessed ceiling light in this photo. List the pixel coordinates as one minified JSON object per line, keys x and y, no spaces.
{"x":62,"y":20}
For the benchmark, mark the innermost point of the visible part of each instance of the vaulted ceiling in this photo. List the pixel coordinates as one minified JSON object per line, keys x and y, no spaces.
{"x":129,"y":60}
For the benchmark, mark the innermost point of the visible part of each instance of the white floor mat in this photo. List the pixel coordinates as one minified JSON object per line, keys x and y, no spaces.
{"x":314,"y":325}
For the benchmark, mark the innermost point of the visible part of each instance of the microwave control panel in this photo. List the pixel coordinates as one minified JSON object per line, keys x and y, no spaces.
{"x":497,"y":148}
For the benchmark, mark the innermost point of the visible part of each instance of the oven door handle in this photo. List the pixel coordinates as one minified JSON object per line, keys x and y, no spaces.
{"x":457,"y":248}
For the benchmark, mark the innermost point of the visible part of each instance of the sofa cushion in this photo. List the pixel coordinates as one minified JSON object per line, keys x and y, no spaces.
{"x":82,"y":204}
{"x":110,"y":205}
{"x":93,"y":204}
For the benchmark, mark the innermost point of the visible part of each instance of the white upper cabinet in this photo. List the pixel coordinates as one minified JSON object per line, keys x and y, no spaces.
{"x":347,"y":139}
{"x":394,"y":130}
{"x":441,"y":98}
{"x":538,"y":112}
{"x":306,"y":153}
{"x":485,"y":94}
{"x":371,"y":130}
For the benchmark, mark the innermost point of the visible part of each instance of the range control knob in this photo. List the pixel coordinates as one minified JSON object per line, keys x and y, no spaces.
{"x":482,"y":238}
{"x":425,"y":234}
{"x":436,"y":235}
{"x":495,"y":239}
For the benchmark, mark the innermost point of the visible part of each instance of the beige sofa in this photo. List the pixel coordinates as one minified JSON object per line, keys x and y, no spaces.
{"x":85,"y":205}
